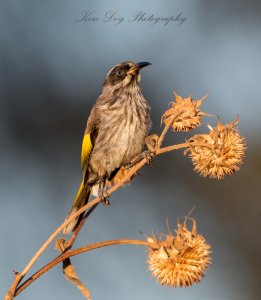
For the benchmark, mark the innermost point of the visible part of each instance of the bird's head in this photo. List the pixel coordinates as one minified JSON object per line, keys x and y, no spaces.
{"x":124,"y":74}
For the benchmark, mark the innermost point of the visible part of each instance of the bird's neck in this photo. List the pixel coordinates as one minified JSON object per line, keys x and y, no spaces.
{"x":128,"y":90}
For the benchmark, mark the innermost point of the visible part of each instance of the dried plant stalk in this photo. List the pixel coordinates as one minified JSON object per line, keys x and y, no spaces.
{"x":179,"y":259}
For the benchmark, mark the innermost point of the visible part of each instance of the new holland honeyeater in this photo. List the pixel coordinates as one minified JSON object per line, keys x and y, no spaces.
{"x":115,"y":132}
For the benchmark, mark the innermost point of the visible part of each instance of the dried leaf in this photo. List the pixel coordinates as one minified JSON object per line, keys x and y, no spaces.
{"x":69,"y":270}
{"x":152,"y":142}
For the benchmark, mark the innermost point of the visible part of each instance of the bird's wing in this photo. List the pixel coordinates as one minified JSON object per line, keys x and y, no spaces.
{"x":89,"y":137}
{"x":87,"y":146}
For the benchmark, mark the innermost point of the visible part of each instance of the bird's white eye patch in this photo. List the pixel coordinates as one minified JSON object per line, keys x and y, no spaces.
{"x":112,"y":70}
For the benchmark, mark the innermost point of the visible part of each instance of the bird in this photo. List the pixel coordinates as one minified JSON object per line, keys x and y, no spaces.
{"x":115,"y":132}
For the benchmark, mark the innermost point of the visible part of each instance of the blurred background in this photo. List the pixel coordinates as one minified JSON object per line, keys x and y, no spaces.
{"x":52,"y":68}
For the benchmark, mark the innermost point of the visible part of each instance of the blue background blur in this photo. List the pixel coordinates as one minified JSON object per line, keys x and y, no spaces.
{"x":52,"y":68}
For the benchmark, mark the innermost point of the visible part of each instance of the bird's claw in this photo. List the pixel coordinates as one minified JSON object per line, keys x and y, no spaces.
{"x":104,"y":198}
{"x":149,"y":155}
{"x":102,"y":193}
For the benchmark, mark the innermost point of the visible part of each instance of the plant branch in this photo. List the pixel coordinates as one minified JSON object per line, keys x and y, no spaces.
{"x":74,"y":252}
{"x":80,"y":225}
{"x":183,"y":115}
{"x":94,"y":202}
{"x":20,"y":276}
{"x":171,"y":148}
{"x":164,"y":131}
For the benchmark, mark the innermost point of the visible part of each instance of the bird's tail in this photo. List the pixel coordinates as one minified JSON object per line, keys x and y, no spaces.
{"x":80,"y":200}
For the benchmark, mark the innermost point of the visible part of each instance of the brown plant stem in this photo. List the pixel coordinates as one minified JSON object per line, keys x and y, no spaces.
{"x":20,"y":276}
{"x":74,"y":252}
{"x":131,"y":172}
{"x":172,"y":148}
{"x":80,"y":225}
{"x":164,"y":131}
{"x":157,"y":152}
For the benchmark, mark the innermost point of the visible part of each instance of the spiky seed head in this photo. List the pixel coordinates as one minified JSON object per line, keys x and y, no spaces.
{"x":181,"y":259}
{"x":218,"y":153}
{"x":184,"y":114}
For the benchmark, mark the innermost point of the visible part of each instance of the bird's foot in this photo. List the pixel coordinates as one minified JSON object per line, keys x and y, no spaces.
{"x":104,"y":198}
{"x":148,"y":154}
{"x":102,"y":194}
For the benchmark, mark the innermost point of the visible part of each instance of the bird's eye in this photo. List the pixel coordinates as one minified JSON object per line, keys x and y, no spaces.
{"x":120,"y":72}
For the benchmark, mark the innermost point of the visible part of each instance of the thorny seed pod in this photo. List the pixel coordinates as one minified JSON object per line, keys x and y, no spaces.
{"x":218,"y":153}
{"x":184,"y":114}
{"x":179,"y":260}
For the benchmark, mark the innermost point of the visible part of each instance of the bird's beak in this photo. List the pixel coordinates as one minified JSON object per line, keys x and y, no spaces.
{"x":135,"y":69}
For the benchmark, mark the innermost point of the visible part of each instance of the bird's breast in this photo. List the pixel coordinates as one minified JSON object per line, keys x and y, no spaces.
{"x":123,"y":128}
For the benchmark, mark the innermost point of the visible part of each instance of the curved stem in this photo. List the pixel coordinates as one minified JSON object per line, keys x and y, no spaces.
{"x":21,"y":275}
{"x":161,"y":138}
{"x":164,"y":131}
{"x":74,"y":252}
{"x":80,"y":225}
{"x":132,"y":171}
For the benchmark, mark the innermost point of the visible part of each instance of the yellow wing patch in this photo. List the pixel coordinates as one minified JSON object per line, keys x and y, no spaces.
{"x":86,"y":149}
